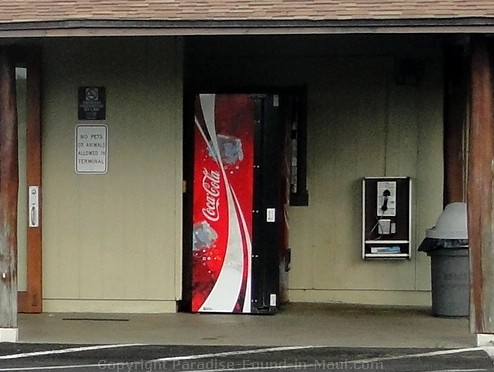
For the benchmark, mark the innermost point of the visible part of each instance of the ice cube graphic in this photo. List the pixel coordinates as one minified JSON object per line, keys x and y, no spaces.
{"x":204,"y":236}
{"x":230,"y":148}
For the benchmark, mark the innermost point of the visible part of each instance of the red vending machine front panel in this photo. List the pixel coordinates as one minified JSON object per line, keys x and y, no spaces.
{"x":223,"y":201}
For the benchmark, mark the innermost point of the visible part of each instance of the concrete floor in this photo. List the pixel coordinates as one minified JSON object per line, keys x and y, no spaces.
{"x":296,"y":324}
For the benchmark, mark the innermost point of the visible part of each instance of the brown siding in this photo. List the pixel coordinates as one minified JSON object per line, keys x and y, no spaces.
{"x":50,"y":10}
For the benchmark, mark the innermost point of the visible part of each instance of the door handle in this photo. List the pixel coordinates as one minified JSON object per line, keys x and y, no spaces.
{"x":33,"y":200}
{"x":33,"y":216}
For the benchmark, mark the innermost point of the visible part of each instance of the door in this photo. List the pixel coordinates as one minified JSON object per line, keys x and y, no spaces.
{"x":237,"y":208}
{"x":27,"y":71}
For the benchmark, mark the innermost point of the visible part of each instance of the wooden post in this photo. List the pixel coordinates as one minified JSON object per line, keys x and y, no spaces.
{"x":9,"y":184}
{"x":479,"y":191}
{"x":454,"y":124}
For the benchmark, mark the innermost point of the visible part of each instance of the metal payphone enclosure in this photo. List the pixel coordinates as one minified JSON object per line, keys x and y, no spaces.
{"x":386,"y":217}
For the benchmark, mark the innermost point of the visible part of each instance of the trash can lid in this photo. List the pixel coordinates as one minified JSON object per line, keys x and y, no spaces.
{"x":451,"y":224}
{"x":430,"y":245}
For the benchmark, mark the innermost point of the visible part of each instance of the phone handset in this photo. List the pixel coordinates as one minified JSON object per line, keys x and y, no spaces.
{"x":384,"y":206}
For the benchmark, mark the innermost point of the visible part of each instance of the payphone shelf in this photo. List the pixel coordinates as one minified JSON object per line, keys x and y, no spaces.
{"x":386,"y":250}
{"x":390,"y":256}
{"x":387,"y":241}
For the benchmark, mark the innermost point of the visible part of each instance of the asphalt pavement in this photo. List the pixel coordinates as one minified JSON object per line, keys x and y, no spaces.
{"x":302,"y":337}
{"x":139,"y":357}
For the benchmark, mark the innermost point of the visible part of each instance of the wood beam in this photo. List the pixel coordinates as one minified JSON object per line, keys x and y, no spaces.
{"x":479,"y":190}
{"x":454,"y":125}
{"x":33,"y":178}
{"x":9,"y":184}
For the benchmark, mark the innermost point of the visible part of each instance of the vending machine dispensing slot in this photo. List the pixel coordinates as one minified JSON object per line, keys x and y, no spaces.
{"x":386,"y":217}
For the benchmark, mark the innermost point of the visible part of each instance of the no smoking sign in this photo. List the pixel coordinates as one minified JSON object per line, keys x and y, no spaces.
{"x":92,"y":103}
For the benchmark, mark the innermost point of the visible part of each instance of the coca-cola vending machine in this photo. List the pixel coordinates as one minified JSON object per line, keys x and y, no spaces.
{"x":239,"y":225}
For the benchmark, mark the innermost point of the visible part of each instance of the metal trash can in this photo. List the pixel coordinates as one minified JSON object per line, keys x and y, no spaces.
{"x":447,"y":246}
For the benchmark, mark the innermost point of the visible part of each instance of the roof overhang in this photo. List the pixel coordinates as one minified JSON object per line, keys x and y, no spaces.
{"x":89,"y":28}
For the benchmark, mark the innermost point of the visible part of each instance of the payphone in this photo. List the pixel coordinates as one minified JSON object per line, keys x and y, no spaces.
{"x":386,"y":217}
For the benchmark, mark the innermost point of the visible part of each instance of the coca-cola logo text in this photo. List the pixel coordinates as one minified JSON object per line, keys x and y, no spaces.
{"x":211,"y":185}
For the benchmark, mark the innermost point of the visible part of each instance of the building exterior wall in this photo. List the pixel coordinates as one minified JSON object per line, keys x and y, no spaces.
{"x":112,"y":243}
{"x":361,"y":122}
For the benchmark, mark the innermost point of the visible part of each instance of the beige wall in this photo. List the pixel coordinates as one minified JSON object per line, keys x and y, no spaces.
{"x":363,"y":124}
{"x":113,"y":242}
{"x":360,"y":123}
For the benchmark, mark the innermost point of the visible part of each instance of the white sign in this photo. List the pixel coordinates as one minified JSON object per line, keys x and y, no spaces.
{"x":91,"y":149}
{"x":270,"y":215}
